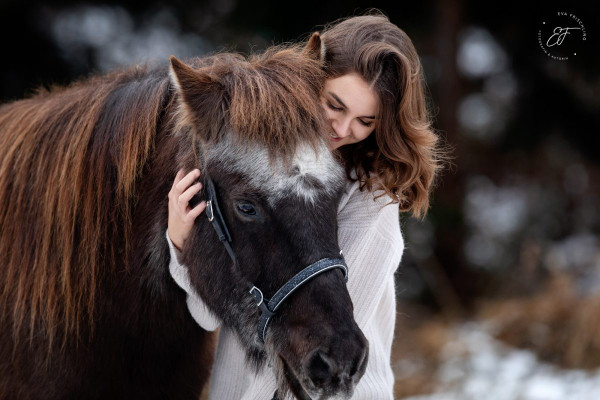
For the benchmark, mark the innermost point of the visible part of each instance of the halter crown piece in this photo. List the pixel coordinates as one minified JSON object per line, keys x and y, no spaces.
{"x":267,"y":307}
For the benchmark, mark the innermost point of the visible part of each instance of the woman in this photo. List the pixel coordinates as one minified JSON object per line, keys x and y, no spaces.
{"x":374,"y":100}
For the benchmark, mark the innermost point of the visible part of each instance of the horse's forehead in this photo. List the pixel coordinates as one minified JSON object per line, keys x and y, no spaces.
{"x":310,"y":174}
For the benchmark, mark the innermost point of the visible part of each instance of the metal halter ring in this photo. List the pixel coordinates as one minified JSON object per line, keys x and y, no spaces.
{"x":209,"y":211}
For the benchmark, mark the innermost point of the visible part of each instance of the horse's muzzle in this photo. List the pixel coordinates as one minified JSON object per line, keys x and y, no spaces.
{"x":331,"y":369}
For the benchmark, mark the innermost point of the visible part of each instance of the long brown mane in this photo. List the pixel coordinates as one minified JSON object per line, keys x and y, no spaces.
{"x":67,"y":176}
{"x":72,"y":160}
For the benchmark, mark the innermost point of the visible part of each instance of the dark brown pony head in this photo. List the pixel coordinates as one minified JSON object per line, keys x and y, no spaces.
{"x":261,"y":130}
{"x":85,"y":293}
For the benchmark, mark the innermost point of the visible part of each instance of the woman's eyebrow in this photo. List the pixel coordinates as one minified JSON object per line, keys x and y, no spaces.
{"x":345,"y":106}
{"x":337,"y":99}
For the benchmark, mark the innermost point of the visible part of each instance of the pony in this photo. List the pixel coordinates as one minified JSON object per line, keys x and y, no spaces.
{"x":88,"y":308}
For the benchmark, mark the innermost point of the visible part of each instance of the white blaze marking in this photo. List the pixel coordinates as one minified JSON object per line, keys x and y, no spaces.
{"x":275,"y":179}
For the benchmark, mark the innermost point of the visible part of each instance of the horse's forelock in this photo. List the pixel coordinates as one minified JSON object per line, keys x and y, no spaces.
{"x":271,"y":99}
{"x":280,"y":106}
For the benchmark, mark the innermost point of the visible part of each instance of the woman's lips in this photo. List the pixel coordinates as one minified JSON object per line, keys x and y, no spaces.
{"x":335,"y":138}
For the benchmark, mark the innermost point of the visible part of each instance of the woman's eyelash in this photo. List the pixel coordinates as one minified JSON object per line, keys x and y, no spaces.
{"x":334,"y":108}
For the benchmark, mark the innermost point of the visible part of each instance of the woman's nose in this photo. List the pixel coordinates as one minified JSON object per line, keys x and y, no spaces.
{"x":341,"y":127}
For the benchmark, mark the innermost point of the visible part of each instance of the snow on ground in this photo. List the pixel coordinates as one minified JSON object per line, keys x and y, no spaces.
{"x":475,"y":366}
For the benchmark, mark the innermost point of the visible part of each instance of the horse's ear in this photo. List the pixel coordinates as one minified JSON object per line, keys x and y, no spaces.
{"x":201,"y":94}
{"x":315,"y":48}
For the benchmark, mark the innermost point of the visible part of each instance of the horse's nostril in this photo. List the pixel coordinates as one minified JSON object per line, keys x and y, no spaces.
{"x":355,"y":365}
{"x":360,"y":363}
{"x":320,"y":368}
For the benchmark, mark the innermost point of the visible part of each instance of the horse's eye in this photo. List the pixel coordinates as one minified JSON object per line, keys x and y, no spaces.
{"x":246,"y":208}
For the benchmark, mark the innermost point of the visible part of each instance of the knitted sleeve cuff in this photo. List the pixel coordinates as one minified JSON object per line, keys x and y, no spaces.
{"x":200,"y":312}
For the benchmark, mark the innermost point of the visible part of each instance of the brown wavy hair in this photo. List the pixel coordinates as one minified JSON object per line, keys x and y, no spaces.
{"x":404,"y":154}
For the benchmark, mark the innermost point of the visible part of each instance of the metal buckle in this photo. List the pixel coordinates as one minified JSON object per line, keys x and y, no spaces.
{"x":209,"y":211}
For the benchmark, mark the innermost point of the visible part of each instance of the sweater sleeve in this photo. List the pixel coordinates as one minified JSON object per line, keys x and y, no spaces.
{"x":196,"y":306}
{"x":369,"y":235}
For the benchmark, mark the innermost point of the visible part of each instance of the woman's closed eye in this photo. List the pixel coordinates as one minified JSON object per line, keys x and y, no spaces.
{"x":333,"y":107}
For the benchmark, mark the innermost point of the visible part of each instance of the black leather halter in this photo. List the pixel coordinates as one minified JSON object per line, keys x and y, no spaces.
{"x":267,"y":307}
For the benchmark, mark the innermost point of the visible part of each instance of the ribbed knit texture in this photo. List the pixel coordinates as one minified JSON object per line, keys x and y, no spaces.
{"x":369,"y":235}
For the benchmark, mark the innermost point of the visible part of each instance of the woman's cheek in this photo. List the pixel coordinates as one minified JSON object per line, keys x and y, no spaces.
{"x":328,"y":113}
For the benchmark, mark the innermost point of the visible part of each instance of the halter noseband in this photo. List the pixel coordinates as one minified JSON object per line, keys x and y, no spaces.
{"x":267,"y":307}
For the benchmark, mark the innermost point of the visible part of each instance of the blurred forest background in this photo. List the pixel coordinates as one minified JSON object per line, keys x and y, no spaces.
{"x":499,"y":286}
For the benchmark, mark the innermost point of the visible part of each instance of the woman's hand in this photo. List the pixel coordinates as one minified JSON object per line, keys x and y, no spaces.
{"x":181,"y":216}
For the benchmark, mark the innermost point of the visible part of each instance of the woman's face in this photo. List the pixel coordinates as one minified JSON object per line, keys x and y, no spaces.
{"x":352,"y":107}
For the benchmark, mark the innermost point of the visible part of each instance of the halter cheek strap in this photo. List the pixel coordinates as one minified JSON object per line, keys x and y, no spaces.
{"x":213,"y":212}
{"x":215,"y":217}
{"x":269,"y":307}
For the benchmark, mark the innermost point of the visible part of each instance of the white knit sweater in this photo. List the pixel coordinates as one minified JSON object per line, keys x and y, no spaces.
{"x":369,"y":235}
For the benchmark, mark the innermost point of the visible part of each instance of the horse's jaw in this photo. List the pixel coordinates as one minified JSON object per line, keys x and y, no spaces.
{"x":287,"y":381}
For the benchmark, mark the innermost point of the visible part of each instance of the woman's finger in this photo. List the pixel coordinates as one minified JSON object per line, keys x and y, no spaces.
{"x":197,"y":210}
{"x":180,"y":174}
{"x":186,"y":196}
{"x":187,"y":180}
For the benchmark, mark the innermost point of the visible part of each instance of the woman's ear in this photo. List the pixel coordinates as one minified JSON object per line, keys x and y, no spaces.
{"x":315,"y":48}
